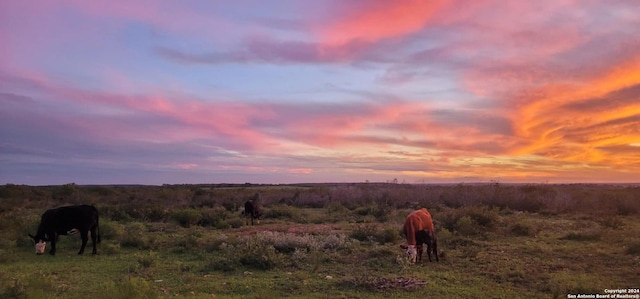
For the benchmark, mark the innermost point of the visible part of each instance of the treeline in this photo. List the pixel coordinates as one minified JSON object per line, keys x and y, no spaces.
{"x":536,"y":198}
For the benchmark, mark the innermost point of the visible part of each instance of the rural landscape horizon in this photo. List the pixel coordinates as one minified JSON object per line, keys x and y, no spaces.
{"x":191,"y":92}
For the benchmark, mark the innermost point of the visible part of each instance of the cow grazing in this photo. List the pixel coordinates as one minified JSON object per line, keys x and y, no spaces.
{"x":418,"y":228}
{"x":251,"y":210}
{"x":67,"y":221}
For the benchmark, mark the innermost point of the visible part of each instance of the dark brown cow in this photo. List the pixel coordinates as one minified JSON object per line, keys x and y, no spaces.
{"x":67,"y":221}
{"x":251,"y":210}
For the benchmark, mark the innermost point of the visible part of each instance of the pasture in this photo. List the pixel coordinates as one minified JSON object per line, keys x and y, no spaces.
{"x":326,"y":241}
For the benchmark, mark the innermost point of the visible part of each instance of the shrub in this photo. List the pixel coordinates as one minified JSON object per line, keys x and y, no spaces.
{"x":186,"y":217}
{"x":364,"y":232}
{"x":613,"y":222}
{"x":235,"y":223}
{"x":564,"y":283}
{"x":135,"y":236}
{"x":388,"y":235}
{"x":469,"y":220}
{"x":221,"y":264}
{"x":466,"y":226}
{"x":582,"y":236}
{"x":134,"y":287}
{"x":281,"y":212}
{"x":520,"y":229}
{"x":37,"y":285}
{"x":111,"y":230}
{"x":634,"y":248}
{"x":147,"y":260}
{"x":109,"y":248}
{"x":213,"y":217}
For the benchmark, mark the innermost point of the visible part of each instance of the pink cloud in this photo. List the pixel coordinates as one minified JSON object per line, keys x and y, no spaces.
{"x":371,"y":21}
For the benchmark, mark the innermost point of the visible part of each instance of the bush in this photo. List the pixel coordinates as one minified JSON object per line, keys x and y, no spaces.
{"x":134,"y":236}
{"x":466,"y":226}
{"x":281,"y":212}
{"x":634,"y":248}
{"x":613,"y":222}
{"x":469,"y":220}
{"x":523,"y":230}
{"x":187,"y":217}
{"x":564,"y":283}
{"x":133,"y":287}
{"x":147,"y":260}
{"x":111,"y":230}
{"x":235,"y":223}
{"x":582,"y":236}
{"x":221,"y":264}
{"x":364,"y":232}
{"x":213,"y":217}
{"x":388,"y":235}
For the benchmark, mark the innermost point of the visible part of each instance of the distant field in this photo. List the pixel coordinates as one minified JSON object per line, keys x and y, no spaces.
{"x":326,"y":241}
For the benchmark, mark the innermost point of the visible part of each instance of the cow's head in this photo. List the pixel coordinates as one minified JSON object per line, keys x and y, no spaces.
{"x":40,"y":244}
{"x":412,"y":252}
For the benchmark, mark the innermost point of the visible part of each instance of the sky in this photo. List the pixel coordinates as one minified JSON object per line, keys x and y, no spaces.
{"x":416,"y":91}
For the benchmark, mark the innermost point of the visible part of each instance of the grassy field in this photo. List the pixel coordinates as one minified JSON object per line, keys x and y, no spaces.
{"x":326,"y":241}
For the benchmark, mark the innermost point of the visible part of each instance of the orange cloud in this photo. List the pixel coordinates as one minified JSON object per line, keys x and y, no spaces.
{"x":553,"y":126}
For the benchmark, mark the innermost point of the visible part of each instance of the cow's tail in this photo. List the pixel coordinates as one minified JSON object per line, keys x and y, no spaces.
{"x":98,"y":239}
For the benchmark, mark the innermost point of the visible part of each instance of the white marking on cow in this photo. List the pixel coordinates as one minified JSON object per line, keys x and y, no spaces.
{"x":40,"y":247}
{"x":73,"y":231}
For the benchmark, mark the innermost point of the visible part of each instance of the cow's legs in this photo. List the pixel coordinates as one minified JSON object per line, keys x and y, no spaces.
{"x":94,"y":240}
{"x":53,"y":245}
{"x":435,"y":247}
{"x":85,"y":238}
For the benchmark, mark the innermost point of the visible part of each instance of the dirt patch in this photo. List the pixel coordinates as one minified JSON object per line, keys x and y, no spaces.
{"x":380,"y":284}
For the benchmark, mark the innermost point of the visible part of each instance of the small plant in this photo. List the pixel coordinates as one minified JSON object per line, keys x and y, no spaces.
{"x":280,"y":212}
{"x":388,"y":235}
{"x":634,"y":248}
{"x":133,"y":287}
{"x":364,"y":232}
{"x":613,"y":222}
{"x":564,"y":283}
{"x":186,"y":217}
{"x":466,"y":226}
{"x":148,"y":260}
{"x":111,"y":230}
{"x":582,"y":236}
{"x":134,"y":236}
{"x":235,"y":223}
{"x":523,"y":230}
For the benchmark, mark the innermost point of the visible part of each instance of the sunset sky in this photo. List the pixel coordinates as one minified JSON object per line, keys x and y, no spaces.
{"x":153,"y":92}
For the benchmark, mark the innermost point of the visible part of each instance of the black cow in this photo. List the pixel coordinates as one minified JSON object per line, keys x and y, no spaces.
{"x":251,"y":210}
{"x":67,"y":221}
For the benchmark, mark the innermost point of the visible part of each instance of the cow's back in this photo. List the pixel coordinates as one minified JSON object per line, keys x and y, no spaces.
{"x":64,"y":219}
{"x":418,"y":220}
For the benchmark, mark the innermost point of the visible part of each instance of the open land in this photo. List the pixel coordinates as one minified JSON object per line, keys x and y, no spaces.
{"x":326,"y":241}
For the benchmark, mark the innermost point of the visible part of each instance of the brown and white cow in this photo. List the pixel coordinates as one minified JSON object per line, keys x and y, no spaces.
{"x":419,"y":230}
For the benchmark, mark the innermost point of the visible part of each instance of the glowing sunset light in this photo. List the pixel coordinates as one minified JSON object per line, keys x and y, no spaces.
{"x":418,"y":91}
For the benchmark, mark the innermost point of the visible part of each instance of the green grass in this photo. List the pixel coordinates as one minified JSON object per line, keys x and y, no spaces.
{"x":331,"y":252}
